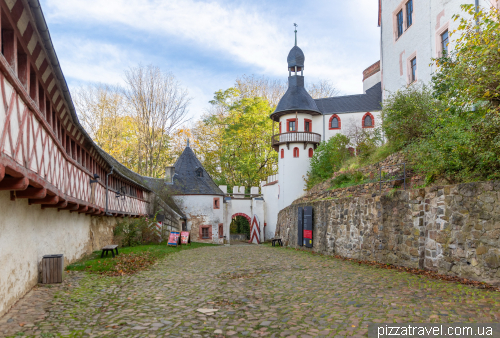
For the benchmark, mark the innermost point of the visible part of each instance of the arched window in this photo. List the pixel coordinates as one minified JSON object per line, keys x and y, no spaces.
{"x":282,"y":153}
{"x":334,"y":122}
{"x":295,"y":152}
{"x":368,"y":121}
{"x":311,"y":152}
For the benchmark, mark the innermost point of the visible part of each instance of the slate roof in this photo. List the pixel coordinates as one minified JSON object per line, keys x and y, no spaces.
{"x":296,"y":57}
{"x":186,"y":179}
{"x":295,"y":99}
{"x":371,"y":101}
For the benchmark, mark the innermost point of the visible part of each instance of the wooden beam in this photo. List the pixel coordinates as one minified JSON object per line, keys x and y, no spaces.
{"x":90,"y":210}
{"x":83,"y":209}
{"x":2,"y":171}
{"x":14,"y":183}
{"x":34,"y":193}
{"x":62,"y":204}
{"x":46,"y":200}
{"x":71,"y":206}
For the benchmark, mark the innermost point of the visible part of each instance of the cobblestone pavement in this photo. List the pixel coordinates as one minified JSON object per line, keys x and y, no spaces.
{"x":258,"y":291}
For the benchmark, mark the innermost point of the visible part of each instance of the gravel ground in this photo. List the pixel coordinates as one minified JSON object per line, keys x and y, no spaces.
{"x":258,"y":291}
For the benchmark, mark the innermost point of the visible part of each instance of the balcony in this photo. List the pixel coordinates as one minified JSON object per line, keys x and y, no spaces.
{"x":295,"y":137}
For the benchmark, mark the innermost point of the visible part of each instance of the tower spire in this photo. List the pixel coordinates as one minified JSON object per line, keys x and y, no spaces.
{"x":296,"y":33}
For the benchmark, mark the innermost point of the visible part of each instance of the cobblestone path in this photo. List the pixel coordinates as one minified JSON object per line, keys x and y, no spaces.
{"x":258,"y":291}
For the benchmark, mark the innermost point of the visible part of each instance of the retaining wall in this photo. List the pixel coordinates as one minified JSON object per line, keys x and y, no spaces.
{"x":454,"y":230}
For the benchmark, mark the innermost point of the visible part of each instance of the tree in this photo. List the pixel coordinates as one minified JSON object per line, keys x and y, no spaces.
{"x":470,"y":75}
{"x":158,"y":105}
{"x":235,"y":144}
{"x":322,"y":89}
{"x":101,"y":110}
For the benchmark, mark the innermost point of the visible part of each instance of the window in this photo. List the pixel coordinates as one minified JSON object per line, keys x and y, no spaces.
{"x":204,"y":233}
{"x":199,"y":172}
{"x":295,"y":152}
{"x":368,"y":121}
{"x":311,"y":152}
{"x":400,"y":23}
{"x":444,"y":44}
{"x":334,"y":122}
{"x":307,"y":125}
{"x":282,"y":153}
{"x":216,"y":203}
{"x":291,"y":125}
{"x":221,"y":230}
{"x":413,"y":67}
{"x":409,"y":13}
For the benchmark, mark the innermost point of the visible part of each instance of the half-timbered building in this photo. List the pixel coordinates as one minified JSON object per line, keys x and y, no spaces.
{"x":59,"y":192}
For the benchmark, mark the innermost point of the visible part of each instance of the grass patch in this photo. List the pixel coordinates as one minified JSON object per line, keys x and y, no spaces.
{"x":129,"y":260}
{"x":379,"y":154}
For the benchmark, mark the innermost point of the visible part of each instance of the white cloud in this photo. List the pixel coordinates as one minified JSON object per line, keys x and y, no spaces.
{"x":339,"y":39}
{"x":240,"y":32}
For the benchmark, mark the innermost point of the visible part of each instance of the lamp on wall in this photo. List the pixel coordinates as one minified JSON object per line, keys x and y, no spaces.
{"x":95,"y":180}
{"x":120,"y":194}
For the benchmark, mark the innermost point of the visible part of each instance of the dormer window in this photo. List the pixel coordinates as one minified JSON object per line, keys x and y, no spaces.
{"x":199,"y":172}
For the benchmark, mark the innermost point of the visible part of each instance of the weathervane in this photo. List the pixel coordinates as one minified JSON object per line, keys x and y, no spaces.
{"x":296,"y":33}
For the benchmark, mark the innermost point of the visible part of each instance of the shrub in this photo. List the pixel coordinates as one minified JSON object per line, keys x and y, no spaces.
{"x":136,"y":231}
{"x":406,"y":114}
{"x":327,"y":159}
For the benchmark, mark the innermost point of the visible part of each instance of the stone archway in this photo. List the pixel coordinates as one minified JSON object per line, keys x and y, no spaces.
{"x":249,"y":219}
{"x":241,"y":236}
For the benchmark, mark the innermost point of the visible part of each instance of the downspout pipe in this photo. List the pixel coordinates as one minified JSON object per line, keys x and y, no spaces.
{"x":107,"y":190}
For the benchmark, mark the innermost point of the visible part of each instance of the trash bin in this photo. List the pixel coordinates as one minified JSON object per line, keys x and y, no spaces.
{"x":52,"y":269}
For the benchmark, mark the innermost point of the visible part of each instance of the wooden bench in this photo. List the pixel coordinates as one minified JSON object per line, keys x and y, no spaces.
{"x":276,"y":240}
{"x":109,"y":248}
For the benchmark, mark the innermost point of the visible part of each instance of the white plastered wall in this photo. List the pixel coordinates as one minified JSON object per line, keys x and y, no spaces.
{"x":27,"y":233}
{"x":371,"y":81}
{"x":271,"y":208}
{"x":349,"y":121}
{"x":421,"y":39}
{"x":199,"y":210}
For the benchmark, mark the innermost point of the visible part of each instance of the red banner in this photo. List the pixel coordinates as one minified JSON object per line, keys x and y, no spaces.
{"x":308,"y":234}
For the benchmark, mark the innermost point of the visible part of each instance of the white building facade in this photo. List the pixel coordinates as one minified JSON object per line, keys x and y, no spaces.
{"x":413,"y":32}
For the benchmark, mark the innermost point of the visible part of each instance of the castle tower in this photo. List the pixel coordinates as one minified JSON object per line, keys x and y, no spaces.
{"x":300,"y":126}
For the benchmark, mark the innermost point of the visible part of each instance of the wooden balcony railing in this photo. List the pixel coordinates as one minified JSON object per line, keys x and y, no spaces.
{"x":295,"y":137}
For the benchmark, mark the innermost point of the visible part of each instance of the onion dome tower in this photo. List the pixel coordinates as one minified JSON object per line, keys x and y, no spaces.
{"x":298,"y":117}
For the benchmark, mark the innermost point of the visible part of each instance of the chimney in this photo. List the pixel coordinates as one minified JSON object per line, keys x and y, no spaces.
{"x":169,"y":174}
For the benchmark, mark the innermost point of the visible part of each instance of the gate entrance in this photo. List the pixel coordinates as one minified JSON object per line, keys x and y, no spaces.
{"x":239,"y":228}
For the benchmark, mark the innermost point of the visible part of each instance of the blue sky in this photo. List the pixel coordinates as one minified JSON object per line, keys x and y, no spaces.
{"x":208,"y":44}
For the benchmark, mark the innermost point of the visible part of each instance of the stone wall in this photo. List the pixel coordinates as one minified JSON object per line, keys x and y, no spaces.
{"x":372,"y":172}
{"x":454,"y":230}
{"x":27,"y":233}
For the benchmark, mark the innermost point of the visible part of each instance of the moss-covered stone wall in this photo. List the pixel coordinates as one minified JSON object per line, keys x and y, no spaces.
{"x":450,"y":229}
